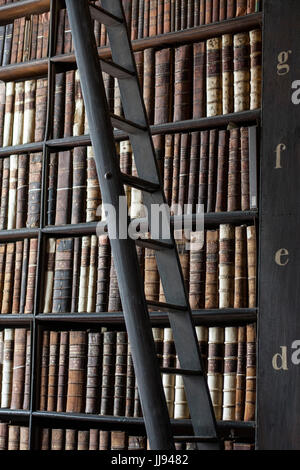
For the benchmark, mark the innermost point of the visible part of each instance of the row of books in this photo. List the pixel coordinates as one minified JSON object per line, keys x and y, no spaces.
{"x":14,"y":437}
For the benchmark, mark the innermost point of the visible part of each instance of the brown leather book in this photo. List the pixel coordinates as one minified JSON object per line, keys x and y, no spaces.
{"x":222,"y":172}
{"x":77,"y":372}
{"x":93,"y":381}
{"x":231,"y":8}
{"x":119,"y":440}
{"x":79,"y":185}
{"x":29,"y":111}
{"x":252,"y":265}
{"x":176,"y":168}
{"x":168,"y":167}
{"x":24,"y":438}
{"x":44,"y":370}
{"x":9,"y":114}
{"x":13,"y":437}
{"x":234,"y":171}
{"x":57,"y":439}
{"x":62,"y":381}
{"x":222,"y":10}
{"x":215,"y":10}
{"x":70,"y":439}
{"x":241,"y":275}
{"x":69,"y":103}
{"x":250,"y":398}
{"x":120,"y":374}
{"x":202,"y":12}
{"x":212,"y":170}
{"x":15,"y":41}
{"x":149,"y":82}
{"x":46,"y":23}
{"x":212,"y":262}
{"x":52,"y":183}
{"x":40,"y":34}
{"x":103,"y":36}
{"x":83,"y":440}
{"x":60,"y":32}
{"x":193,"y":176}
{"x":45,"y":439}
{"x":31,"y":276}
{"x":17,"y":278}
{"x":183,"y":83}
{"x":104,"y":440}
{"x":213,"y":77}
{"x":24,"y":275}
{"x":2,"y":269}
{"x":2,"y":106}
{"x":7,"y":369}
{"x":227,"y":74}
{"x":177,"y":15}
{"x":196,"y":7}
{"x":184,"y":170}
{"x":104,"y":259}
{"x":8,"y":278}
{"x":62,"y":290}
{"x":215,"y":368}
{"x":130,"y":385}
{"x":108,"y":373}
{"x":12,"y":192}
{"x":64,"y":188}
{"x":203,"y":169}
{"x":140,"y":19}
{"x":167,"y":16}
{"x":4,"y":194}
{"x":197,"y":271}
{"x":67,"y":36}
{"x":21,"y":38}
{"x":3,"y":436}
{"x":146,"y":18}
{"x":245,"y":189}
{"x":163,"y":86}
{"x":169,"y":360}
{"x":22,"y":191}
{"x":34,"y":189}
{"x":226,"y":266}
{"x":134,"y":19}
{"x":230,"y":372}
{"x":19,"y":360}
{"x":137,"y":443}
{"x":151,"y":276}
{"x":241,"y":51}
{"x":240,"y":375}
{"x":59,"y":106}
{"x":252,"y":6}
{"x":76,"y":274}
{"x":34,"y":33}
{"x":255,"y":68}
{"x":199,"y":80}
{"x":241,"y":7}
{"x":53,"y":370}
{"x":93,"y":191}
{"x":26,"y":400}
{"x":114,"y":300}
{"x":152,"y":18}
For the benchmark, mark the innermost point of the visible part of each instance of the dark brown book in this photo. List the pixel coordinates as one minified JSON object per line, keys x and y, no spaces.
{"x":31,"y":276}
{"x":79,"y":185}
{"x":153,"y":18}
{"x":230,"y":9}
{"x":163,"y":86}
{"x":46,"y":18}
{"x":19,"y":361}
{"x":241,"y":275}
{"x":176,"y":169}
{"x":130,"y":385}
{"x":34,"y":189}
{"x":146,"y":18}
{"x":160,"y":16}
{"x":69,"y":103}
{"x":222,"y":11}
{"x":212,"y":261}
{"x":158,"y":142}
{"x":149,"y":83}
{"x":177,"y":15}
{"x":108,"y":373}
{"x":15,"y":41}
{"x":40,"y":109}
{"x":52,"y":182}
{"x":2,"y":35}
{"x":241,"y":7}
{"x":8,"y":278}
{"x":234,"y":171}
{"x":70,"y":439}
{"x":64,"y":188}
{"x":53,"y":370}
{"x":215,"y":10}
{"x":7,"y":44}
{"x":197,"y":271}
{"x":120,"y":374}
{"x":202,"y":12}
{"x":226,"y":266}
{"x":222,"y":172}
{"x":183,"y":83}
{"x":151,"y":276}
{"x":183,"y":14}
{"x":104,"y":259}
{"x":57,"y":439}
{"x":4,"y":194}
{"x":253,"y":6}
{"x":26,"y":399}
{"x":199,"y":80}
{"x":24,"y":275}
{"x":34,"y":33}
{"x":140,"y":19}
{"x":77,"y":372}
{"x":2,"y":269}
{"x":212,"y":170}
{"x":134,"y":19}
{"x":184,"y":170}
{"x":168,"y":167}
{"x":104,"y":440}
{"x":114,"y":300}
{"x":255,"y":68}
{"x":250,"y":398}
{"x":208,"y":11}
{"x":59,"y":106}
{"x":119,"y":440}
{"x":252,"y":265}
{"x":67,"y":36}
{"x":190,"y":13}
{"x":40,"y":34}
{"x":240,"y":375}
{"x":62,"y":290}
{"x":3,"y":436}
{"x":22,"y":191}
{"x":60,"y":32}
{"x":243,"y":446}
{"x":62,"y":382}
{"x":167,"y":16}
{"x":76,"y":274}
{"x":44,"y":371}
{"x":93,"y":381}
{"x":17,"y":278}
{"x":45,"y":439}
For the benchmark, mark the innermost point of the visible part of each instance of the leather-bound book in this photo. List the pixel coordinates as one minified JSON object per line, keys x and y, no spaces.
{"x":240,"y":375}
{"x":108,"y":373}
{"x":252,"y":265}
{"x":12,"y":192}
{"x":176,"y":169}
{"x":160,"y":16}
{"x":202,"y":337}
{"x":197,"y":271}
{"x":139,"y":60}
{"x":103,"y":35}
{"x":7,"y":44}
{"x":184,"y":170}
{"x":253,"y":6}
{"x":104,"y":258}
{"x":62,"y":382}
{"x":168,"y":167}
{"x":22,"y":191}
{"x":44,"y":370}
{"x":77,"y":372}
{"x":60,"y":32}
{"x":34,"y":189}
{"x":230,"y":372}
{"x":240,"y":266}
{"x":212,"y":170}
{"x":46,"y":18}
{"x":227,"y":74}
{"x":93,"y":381}
{"x":79,"y":185}
{"x":215,"y":10}
{"x":169,"y":360}
{"x":193,"y":177}
{"x":241,"y":71}
{"x":137,"y":411}
{"x":213,"y":77}
{"x":234,"y":171}
{"x":83,"y":440}
{"x":231,"y":8}
{"x":243,"y":446}
{"x":64,"y":188}
{"x":45,"y":439}
{"x":140,"y":21}
{"x":26,"y":399}
{"x":152,"y":18}
{"x":127,"y":10}
{"x":183,"y":79}
{"x":7,"y":370}
{"x":250,"y":398}
{"x":18,"y":373}
{"x":57,"y":439}
{"x":215,"y":368}
{"x":163,"y":86}
{"x":77,"y":108}
{"x":67,"y":36}
{"x":24,"y":275}
{"x":159,"y":146}
{"x":70,"y":439}
{"x":15,"y":41}
{"x":255,"y":68}
{"x":149,"y":83}
{"x":130,"y":384}
{"x":134,"y":19}
{"x":222,"y":10}
{"x":9,"y":114}
{"x":196,"y":13}
{"x":167,"y":16}
{"x":208,"y":11}
{"x":2,"y":37}
{"x":2,"y":108}
{"x":177,"y":14}
{"x":76,"y":274}
{"x":226,"y":266}
{"x":222,"y":172}
{"x":19,"y":124}
{"x":119,"y":440}
{"x":199,"y":80}
{"x":92,"y":276}
{"x":181,"y":409}
{"x":203,"y":169}
{"x":202,"y":12}
{"x":241,"y":7}
{"x":34,"y":33}
{"x":104,"y":440}
{"x":245,"y":190}
{"x":59,"y":106}
{"x":52,"y":183}
{"x":49,"y":275}
{"x":84,"y":274}
{"x":93,"y":191}
{"x":40,"y":34}
{"x":146,"y":19}
{"x":2,"y":269}
{"x":69,"y":103}
{"x":24,"y":438}
{"x":114,"y":300}
{"x":29,"y":111}
{"x":62,"y":289}
{"x":212,"y":262}
{"x":3,"y":436}
{"x":151,"y":276}
{"x":13,"y":437}
{"x":118,"y":109}
{"x":53,"y":370}
{"x":120,"y":374}
{"x":8,"y":278}
{"x":190,"y":14}
{"x":137,"y":443}
{"x":31,"y":276}
{"x":17,"y":278}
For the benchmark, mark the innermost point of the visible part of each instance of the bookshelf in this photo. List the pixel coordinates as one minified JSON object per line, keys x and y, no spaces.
{"x":37,"y":322}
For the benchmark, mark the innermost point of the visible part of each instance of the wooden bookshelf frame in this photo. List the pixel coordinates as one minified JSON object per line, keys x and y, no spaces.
{"x":48,"y":67}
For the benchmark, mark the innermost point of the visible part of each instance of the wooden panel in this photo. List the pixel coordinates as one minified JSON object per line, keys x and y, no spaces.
{"x":22,"y":8}
{"x":279,"y":293}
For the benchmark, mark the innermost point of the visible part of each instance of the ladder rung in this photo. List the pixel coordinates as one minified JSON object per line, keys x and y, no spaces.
{"x":115,"y":70}
{"x":164,"y":307}
{"x":171,"y":370}
{"x":139,"y":183}
{"x":153,"y":244}
{"x":103,"y":16}
{"x":196,"y":439}
{"x":127,"y":126}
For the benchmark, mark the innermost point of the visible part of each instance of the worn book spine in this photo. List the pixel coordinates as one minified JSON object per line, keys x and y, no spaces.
{"x":169,"y":360}
{"x":70,"y":439}
{"x":79,"y":185}
{"x":245,"y":183}
{"x":77,"y":111}
{"x":104,"y":258}
{"x":203,"y":170}
{"x":8,"y":278}
{"x":40,"y":34}
{"x":168,"y":167}
{"x":3,"y":436}
{"x":241,"y":72}
{"x":64,"y":188}
{"x":241,"y":7}
{"x":252,"y":6}
{"x":130,"y":385}
{"x":213,"y":77}
{"x":53,"y":370}
{"x":93,"y":200}
{"x":134,"y":19}
{"x":24,"y":275}
{"x":240,"y":266}
{"x":15,"y":41}
{"x":212,"y":170}
{"x":62,"y":288}
{"x":119,"y":440}
{"x":34,"y":189}
{"x":234,"y":171}
{"x":49,"y":275}
{"x":215,"y":11}
{"x":183,"y":80}
{"x":40,"y":109}
{"x":230,"y":373}
{"x":212,"y":261}
{"x":18,"y":372}
{"x":255,"y":68}
{"x":7,"y":44}
{"x":215,"y":368}
{"x":137,"y":443}
{"x":104,"y":440}
{"x":46,"y":18}
{"x":29,"y":111}
{"x":199,"y":80}
{"x":31,"y":276}
{"x":231,"y":9}
{"x":120,"y":374}
{"x":108,"y":373}
{"x":59,"y":106}
{"x":250,"y":398}
{"x":2,"y":106}
{"x":149,"y":83}
{"x":197,"y":271}
{"x":77,"y":371}
{"x":34,"y":33}
{"x":175,"y":179}
{"x":22,"y":191}
{"x":226,"y":266}
{"x":7,"y":370}
{"x":240,"y":375}
{"x":208,"y":11}
{"x":52,"y":182}
{"x":26,"y":398}
{"x":83,"y":440}
{"x":114,"y":300}
{"x":67,"y":36}
{"x":184,"y":170}
{"x":9,"y":114}
{"x":60,"y":32}
{"x":84,"y":274}
{"x":222,"y":172}
{"x":13,"y":437}
{"x":62,"y":381}
{"x":151,"y":276}
{"x":17,"y":278}
{"x":93,"y":380}
{"x":163,"y":86}
{"x":69,"y":103}
{"x":12,"y":192}
{"x":2,"y":270}
{"x":45,"y":439}
{"x":167,"y":16}
{"x":153,"y":18}
{"x":92,"y":276}
{"x":192,"y":183}
{"x":222,"y":10}
{"x":181,"y":410}
{"x":252,"y":265}
{"x":140,"y":21}
{"x":227,"y":74}
{"x":57,"y":439}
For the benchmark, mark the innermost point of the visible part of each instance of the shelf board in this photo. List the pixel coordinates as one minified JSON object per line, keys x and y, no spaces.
{"x":10,"y":319}
{"x":19,"y":149}
{"x":22,"y":8}
{"x":19,"y":234}
{"x":14,"y":415}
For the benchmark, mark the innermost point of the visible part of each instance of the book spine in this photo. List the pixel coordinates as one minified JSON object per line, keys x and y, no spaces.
{"x":84,"y":274}
{"x":93,"y":381}
{"x":91,"y":298}
{"x":202,"y":337}
{"x":8,"y":278}
{"x":15,"y":41}
{"x":62,"y":289}
{"x":192,"y":186}
{"x":140,"y":19}
{"x":252,"y":265}
{"x":7,"y":371}
{"x":34,"y":189}
{"x":40,"y":34}
{"x":182,"y":83}
{"x":215,"y":368}
{"x":69,"y":103}
{"x":22,"y":191}
{"x":24,"y":275}
{"x":40,"y":109}
{"x":255,"y":68}
{"x":77,"y":372}
{"x":104,"y":258}
{"x":53,"y":370}
{"x":7,"y":44}
{"x":167,"y":16}
{"x":213,"y":77}
{"x":62,"y":381}
{"x":184,"y":170}
{"x":212,"y":261}
{"x":67,"y":36}
{"x":104,"y":440}
{"x":76,"y":274}
{"x":13,"y":437}
{"x":2,"y":106}
{"x":226,"y":266}
{"x":240,"y":276}
{"x":49,"y":276}
{"x":175,"y":179}
{"x":31,"y":276}
{"x":222,"y":11}
{"x":45,"y":439}
{"x":108,"y":373}
{"x":146,"y":18}
{"x":2,"y":36}
{"x":227,"y":73}
{"x":222,"y":172}
{"x":135,"y":19}
{"x":34,"y":20}
{"x":79,"y":185}
{"x":153,"y":18}
{"x":71,"y":439}
{"x":114,"y":300}
{"x":241,"y":7}
{"x":60,"y":32}
{"x":2,"y":275}
{"x":181,"y":410}
{"x":93,"y":191}
{"x":57,"y":439}
{"x":197,"y":271}
{"x":3,"y":436}
{"x":215,"y":11}
{"x":130,"y":385}
{"x":29,"y":111}
{"x":252,"y":6}
{"x":199,"y":80}
{"x":151,"y":276}
{"x":119,"y":440}
{"x":234,"y":171}
{"x":169,"y":360}
{"x":230,"y":372}
{"x":240,"y":375}
{"x":120,"y":374}
{"x":83,"y":440}
{"x":52,"y":183}
{"x":17,"y":278}
{"x":168,"y":167}
{"x":12,"y":192}
{"x":163,"y":86}
{"x":203,"y":169}
{"x":26,"y":400}
{"x":250,"y":398}
{"x":77,"y":111}
{"x":230,"y":9}
{"x":18,"y":372}
{"x":241,"y":72}
{"x":64,"y":188}
{"x":9,"y":114}
{"x":59,"y":106}
{"x":212,"y":170}
{"x":245,"y":183}
{"x":160,"y":16}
